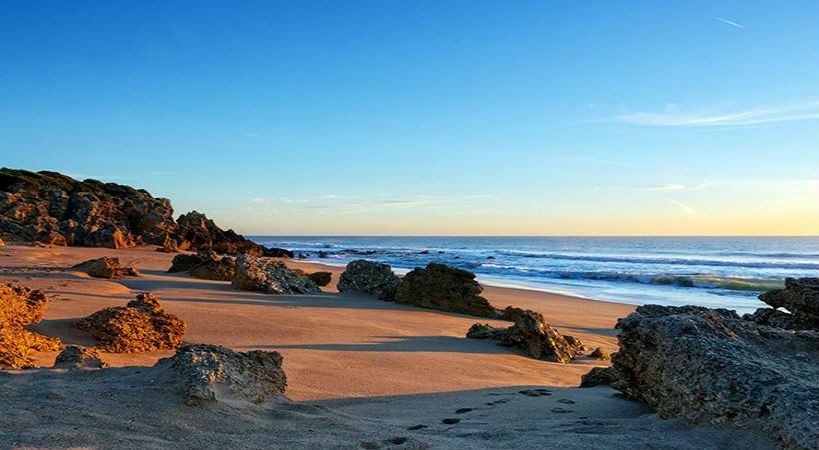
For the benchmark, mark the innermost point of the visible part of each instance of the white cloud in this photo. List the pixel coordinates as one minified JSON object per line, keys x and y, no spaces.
{"x":257,"y":200}
{"x":729,"y":22}
{"x":723,"y":118}
{"x":667,"y":187}
{"x":687,"y":210}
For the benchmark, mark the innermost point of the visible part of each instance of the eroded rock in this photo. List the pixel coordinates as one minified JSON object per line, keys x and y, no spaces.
{"x":21,"y":306}
{"x":601,"y":354}
{"x":271,"y":276}
{"x":79,"y":357}
{"x":800,"y":298}
{"x":106,"y":267}
{"x":206,"y":265}
{"x":600,"y":376}
{"x":369,"y":277}
{"x":321,"y":278}
{"x":140,"y":326}
{"x":445,"y":288}
{"x":210,"y":373}
{"x":530,"y":333}
{"x":710,"y":364}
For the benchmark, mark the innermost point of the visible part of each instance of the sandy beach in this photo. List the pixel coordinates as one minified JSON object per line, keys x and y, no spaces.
{"x":360,"y":371}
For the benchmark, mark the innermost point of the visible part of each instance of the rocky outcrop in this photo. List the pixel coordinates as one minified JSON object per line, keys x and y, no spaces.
{"x":210,"y":373}
{"x":532,"y":334}
{"x":271,"y":276}
{"x":52,"y":208}
{"x":369,"y":277}
{"x":710,"y":364}
{"x":601,"y":354}
{"x":202,"y":234}
{"x":206,"y":265}
{"x":600,"y":376}
{"x":106,"y":267}
{"x":21,"y":306}
{"x":321,"y":278}
{"x":800,"y":298}
{"x":445,"y":288}
{"x":141,"y":326}
{"x":78,"y":357}
{"x":276,"y":252}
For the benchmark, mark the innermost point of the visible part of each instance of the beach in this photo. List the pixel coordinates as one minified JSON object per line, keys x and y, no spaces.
{"x":361,"y":368}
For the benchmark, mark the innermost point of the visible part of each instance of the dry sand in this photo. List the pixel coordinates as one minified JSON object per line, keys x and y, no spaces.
{"x":360,"y":372}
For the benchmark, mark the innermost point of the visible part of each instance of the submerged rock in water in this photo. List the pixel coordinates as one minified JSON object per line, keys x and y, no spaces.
{"x":800,"y":297}
{"x":21,"y":306}
{"x":532,"y":334}
{"x":141,"y":326}
{"x":706,"y":363}
{"x":206,"y":265}
{"x":106,"y":267}
{"x":78,"y":357}
{"x":271,"y":276}
{"x":445,"y":288}
{"x":210,"y":373}
{"x":369,"y":277}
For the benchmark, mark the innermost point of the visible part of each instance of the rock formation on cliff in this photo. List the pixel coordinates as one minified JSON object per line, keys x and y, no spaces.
{"x":445,"y":288}
{"x":21,"y":306}
{"x":140,"y":326}
{"x":56,"y":209}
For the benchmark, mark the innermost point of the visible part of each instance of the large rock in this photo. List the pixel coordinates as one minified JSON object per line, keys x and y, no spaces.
{"x":800,"y":298}
{"x":710,"y":364}
{"x":206,"y":265}
{"x":78,"y":357}
{"x":369,"y":277}
{"x":210,"y":373}
{"x":321,"y":278}
{"x":600,"y":376}
{"x":21,"y":306}
{"x":532,"y":334}
{"x":141,"y":326}
{"x":271,"y":276}
{"x":56,"y":209}
{"x":106,"y":267}
{"x":439,"y":286}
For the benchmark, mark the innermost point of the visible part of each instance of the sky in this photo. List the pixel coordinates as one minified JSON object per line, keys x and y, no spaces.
{"x":428,"y":117}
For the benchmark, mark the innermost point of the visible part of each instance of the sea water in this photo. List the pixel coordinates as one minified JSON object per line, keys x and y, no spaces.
{"x":726,"y":272}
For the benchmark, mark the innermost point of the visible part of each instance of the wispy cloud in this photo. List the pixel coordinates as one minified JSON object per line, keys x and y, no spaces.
{"x":257,"y":200}
{"x":729,"y":22}
{"x":756,"y":116}
{"x":667,"y":187}
{"x":687,"y":210}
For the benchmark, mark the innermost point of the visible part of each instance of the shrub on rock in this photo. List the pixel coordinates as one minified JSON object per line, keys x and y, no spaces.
{"x":369,"y":277}
{"x":445,"y":288}
{"x":210,"y":373}
{"x":141,"y":326}
{"x":106,"y":267}
{"x":271,"y":276}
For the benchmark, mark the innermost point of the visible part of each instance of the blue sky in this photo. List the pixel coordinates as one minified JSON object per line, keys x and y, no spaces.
{"x":440,"y":117}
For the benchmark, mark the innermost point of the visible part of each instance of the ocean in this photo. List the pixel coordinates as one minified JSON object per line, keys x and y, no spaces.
{"x":725,"y":272}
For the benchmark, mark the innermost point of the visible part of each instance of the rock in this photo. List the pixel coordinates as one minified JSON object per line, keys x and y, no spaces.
{"x":78,"y":357}
{"x":710,"y":364}
{"x":55,"y":209}
{"x":271,"y":276}
{"x":321,"y":278}
{"x":206,"y":265}
{"x":600,"y":376}
{"x":302,"y":256}
{"x":369,"y":277}
{"x":444,"y":288}
{"x":2,"y":243}
{"x":323,"y":254}
{"x":800,"y":297}
{"x":277,"y":253}
{"x":106,"y":267}
{"x":203,"y":234}
{"x":21,"y":306}
{"x":601,"y":354}
{"x":210,"y":373}
{"x":141,"y":326}
{"x":532,"y":334}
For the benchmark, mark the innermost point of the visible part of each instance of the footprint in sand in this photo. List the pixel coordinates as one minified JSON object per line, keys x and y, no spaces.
{"x":370,"y":445}
{"x":561,"y":411}
{"x":463,"y":410}
{"x":451,"y":421}
{"x":566,"y":401}
{"x":416,"y":427}
{"x":536,"y":392}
